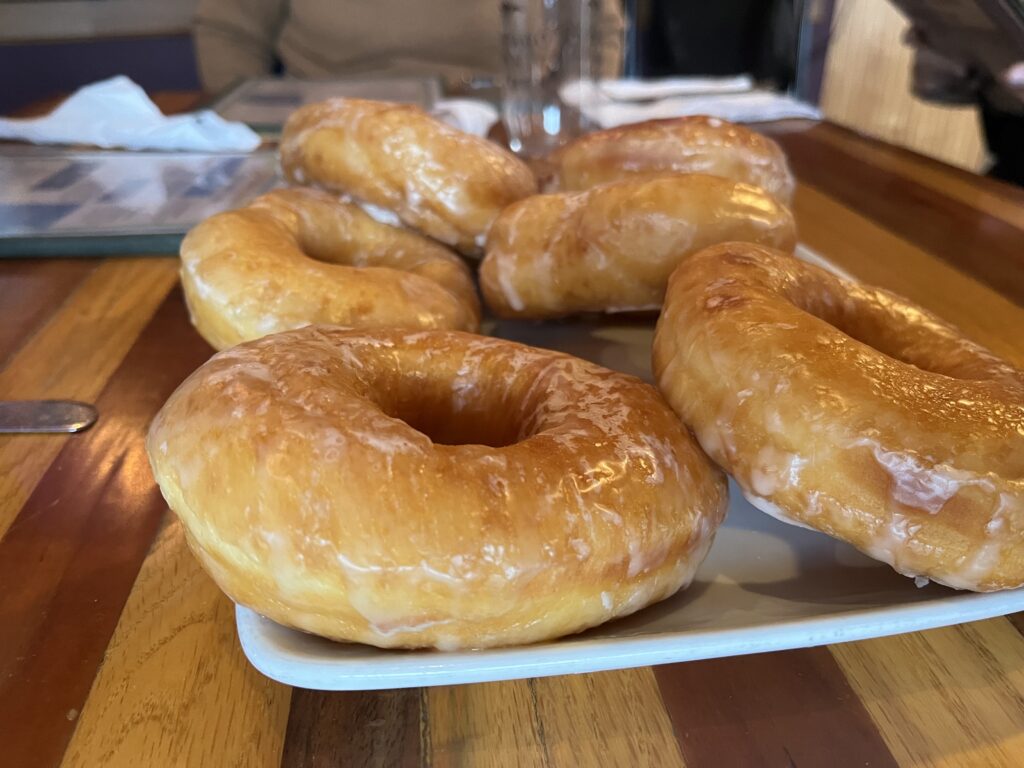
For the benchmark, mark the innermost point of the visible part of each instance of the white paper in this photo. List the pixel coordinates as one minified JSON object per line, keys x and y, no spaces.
{"x":610,"y":103}
{"x":117,"y":114}
{"x":753,"y":107}
{"x":469,"y":115}
{"x":646,"y":90}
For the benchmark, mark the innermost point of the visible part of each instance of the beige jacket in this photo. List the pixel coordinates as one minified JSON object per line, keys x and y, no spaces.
{"x":241,"y":38}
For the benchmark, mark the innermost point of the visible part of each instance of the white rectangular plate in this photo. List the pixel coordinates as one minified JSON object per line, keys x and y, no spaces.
{"x":766,"y":586}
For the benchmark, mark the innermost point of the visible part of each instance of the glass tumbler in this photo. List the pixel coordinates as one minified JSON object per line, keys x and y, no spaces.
{"x":550,"y":48}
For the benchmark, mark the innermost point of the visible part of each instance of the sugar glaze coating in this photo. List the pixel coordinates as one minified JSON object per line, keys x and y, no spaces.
{"x":613,"y":247}
{"x":309,"y":497}
{"x":299,"y":256}
{"x":445,"y":183}
{"x":552,"y":495}
{"x":697,"y":144}
{"x":850,"y":410}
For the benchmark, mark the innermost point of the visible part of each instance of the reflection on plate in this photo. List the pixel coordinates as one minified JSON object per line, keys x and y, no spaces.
{"x":765,"y":586}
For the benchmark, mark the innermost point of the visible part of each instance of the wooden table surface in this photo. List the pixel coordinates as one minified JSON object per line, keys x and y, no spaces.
{"x":116,"y":649}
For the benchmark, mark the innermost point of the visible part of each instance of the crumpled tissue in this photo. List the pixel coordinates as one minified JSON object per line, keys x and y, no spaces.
{"x":117,"y":114}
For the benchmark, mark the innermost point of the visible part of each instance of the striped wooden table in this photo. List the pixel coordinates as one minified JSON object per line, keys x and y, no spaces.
{"x":116,"y":649}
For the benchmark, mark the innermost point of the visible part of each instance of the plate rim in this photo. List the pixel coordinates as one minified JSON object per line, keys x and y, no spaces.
{"x":411,"y":669}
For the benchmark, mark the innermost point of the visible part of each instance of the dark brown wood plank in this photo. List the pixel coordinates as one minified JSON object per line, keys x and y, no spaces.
{"x":995,"y":186}
{"x":980,"y":245}
{"x":170,"y":103}
{"x":792,"y":708}
{"x":1017,"y":619}
{"x":68,"y":562}
{"x":31,"y":292}
{"x":365,"y":728}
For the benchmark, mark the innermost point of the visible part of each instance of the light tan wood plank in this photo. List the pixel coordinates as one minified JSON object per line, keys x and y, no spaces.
{"x":611,"y":719}
{"x":492,"y":725}
{"x":175,"y":688}
{"x":867,"y":86}
{"x":72,"y":356}
{"x":878,"y":257}
{"x":949,"y":697}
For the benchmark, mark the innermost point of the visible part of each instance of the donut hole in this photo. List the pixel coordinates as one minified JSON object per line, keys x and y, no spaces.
{"x":332,"y":246}
{"x":327,"y":229}
{"x":454,"y":428}
{"x":450,"y":416}
{"x":900,"y":331}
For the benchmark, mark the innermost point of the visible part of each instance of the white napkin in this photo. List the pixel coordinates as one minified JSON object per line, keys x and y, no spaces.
{"x":646,"y":90}
{"x":613,"y":103}
{"x":117,"y":113}
{"x":469,"y":115}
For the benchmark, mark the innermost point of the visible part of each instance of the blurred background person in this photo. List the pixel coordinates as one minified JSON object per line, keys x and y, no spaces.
{"x":728,"y":37}
{"x":943,"y":74}
{"x":236,"y":39}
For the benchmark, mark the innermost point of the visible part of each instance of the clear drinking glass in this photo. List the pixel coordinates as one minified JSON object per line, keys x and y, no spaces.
{"x":548,"y":45}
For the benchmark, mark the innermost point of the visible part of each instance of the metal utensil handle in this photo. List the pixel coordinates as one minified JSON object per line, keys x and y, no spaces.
{"x":25,"y":416}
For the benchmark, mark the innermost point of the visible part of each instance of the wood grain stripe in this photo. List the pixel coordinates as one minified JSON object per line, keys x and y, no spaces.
{"x":72,"y":356}
{"x":31,"y":291}
{"x":792,"y":708}
{"x":170,"y":103}
{"x":878,"y":257}
{"x":1017,"y":619}
{"x":611,"y":718}
{"x":175,"y":688}
{"x":991,"y":197}
{"x":980,"y":245}
{"x":843,"y":136}
{"x":82,"y":536}
{"x":377,"y":729}
{"x":490,"y":725}
{"x":948,"y":697}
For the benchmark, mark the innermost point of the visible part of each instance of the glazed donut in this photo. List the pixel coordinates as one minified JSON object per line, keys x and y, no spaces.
{"x":850,"y":410}
{"x":682,"y":145}
{"x":432,"y":489}
{"x":445,"y":183}
{"x":612,"y":248}
{"x":298,"y":256}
